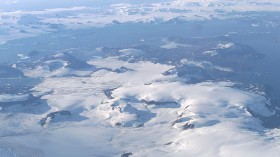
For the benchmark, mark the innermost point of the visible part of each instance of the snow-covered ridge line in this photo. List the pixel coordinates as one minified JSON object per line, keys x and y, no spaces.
{"x":148,"y":12}
{"x":116,"y":13}
{"x":161,"y":12}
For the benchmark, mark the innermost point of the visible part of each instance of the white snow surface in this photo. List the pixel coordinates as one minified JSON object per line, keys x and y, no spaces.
{"x":10,"y":98}
{"x":224,"y":45}
{"x":210,"y":52}
{"x":204,"y":64}
{"x":172,"y":45}
{"x":90,"y":14}
{"x":147,"y":114}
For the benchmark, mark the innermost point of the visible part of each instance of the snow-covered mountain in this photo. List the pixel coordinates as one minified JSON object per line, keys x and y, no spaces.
{"x":154,"y":78}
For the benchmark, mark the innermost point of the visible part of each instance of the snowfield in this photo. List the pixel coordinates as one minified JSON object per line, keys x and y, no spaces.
{"x":140,"y":112}
{"x":101,"y":14}
{"x":160,"y":92}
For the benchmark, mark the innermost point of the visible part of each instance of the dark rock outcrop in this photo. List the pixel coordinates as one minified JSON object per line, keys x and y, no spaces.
{"x":55,"y":117}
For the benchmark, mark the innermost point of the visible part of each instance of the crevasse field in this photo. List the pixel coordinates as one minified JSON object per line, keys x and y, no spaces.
{"x":150,"y":78}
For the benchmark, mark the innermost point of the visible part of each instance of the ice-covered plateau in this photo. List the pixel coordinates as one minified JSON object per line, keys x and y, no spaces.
{"x":137,"y":111}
